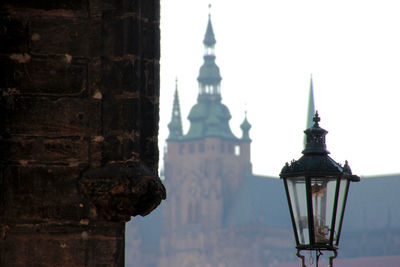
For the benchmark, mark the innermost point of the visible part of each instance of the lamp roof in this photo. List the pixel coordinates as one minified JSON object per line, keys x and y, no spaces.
{"x":315,"y":161}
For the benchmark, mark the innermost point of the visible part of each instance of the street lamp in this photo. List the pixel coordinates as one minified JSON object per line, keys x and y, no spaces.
{"x":316,"y":188}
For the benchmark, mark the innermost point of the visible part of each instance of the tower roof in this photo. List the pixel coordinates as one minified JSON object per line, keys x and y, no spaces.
{"x":175,"y":126}
{"x":209,"y":118}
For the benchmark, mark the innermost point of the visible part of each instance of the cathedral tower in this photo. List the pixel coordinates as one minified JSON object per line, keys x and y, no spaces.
{"x":204,"y":167}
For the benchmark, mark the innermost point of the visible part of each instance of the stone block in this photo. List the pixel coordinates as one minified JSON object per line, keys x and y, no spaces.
{"x":43,"y":193}
{"x":68,"y":35}
{"x":46,"y":5}
{"x":13,"y":35}
{"x":68,"y":117}
{"x":60,"y":75}
{"x":122,"y":77}
{"x":39,"y":150}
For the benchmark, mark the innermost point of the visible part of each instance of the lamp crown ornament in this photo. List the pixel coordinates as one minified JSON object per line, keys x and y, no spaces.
{"x":316,"y":119}
{"x":315,"y":136}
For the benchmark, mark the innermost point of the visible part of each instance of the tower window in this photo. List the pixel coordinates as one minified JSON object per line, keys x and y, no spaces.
{"x":201,"y":147}
{"x":237,"y":150}
{"x":191,"y":148}
{"x":222,"y":148}
{"x":181,"y":148}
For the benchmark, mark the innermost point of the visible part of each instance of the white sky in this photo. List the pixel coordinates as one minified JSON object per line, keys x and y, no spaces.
{"x":266,"y":51}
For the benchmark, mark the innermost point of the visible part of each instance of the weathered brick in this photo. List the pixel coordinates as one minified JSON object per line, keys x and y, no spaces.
{"x":149,"y":36}
{"x":46,"y":5}
{"x":54,"y":35}
{"x":122,"y":119}
{"x":42,"y":193}
{"x":48,"y":75}
{"x":71,"y":245}
{"x":38,"y":150}
{"x":121,"y":77}
{"x":29,"y":116}
{"x":13,"y":35}
{"x":120,"y":148}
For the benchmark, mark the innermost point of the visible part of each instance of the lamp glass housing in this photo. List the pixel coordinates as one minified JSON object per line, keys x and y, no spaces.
{"x":296,"y":189}
{"x":316,"y":207}
{"x":341,"y":204}
{"x":322,"y":197}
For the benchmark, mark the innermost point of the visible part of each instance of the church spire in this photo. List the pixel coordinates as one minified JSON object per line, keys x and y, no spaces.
{"x":209,"y":77}
{"x":175,"y":126}
{"x":310,"y":108}
{"x":209,"y":38}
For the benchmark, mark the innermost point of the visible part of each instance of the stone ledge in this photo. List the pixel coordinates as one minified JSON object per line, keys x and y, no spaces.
{"x":121,"y":191}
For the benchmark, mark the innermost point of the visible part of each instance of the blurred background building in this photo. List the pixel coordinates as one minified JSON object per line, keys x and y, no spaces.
{"x":218,"y":213}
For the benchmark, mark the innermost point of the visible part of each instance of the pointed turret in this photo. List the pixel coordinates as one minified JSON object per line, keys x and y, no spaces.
{"x":245,"y":126}
{"x":310,"y":109}
{"x":175,"y":126}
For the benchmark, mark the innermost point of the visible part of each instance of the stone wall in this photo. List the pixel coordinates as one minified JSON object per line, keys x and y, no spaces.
{"x":78,"y":128}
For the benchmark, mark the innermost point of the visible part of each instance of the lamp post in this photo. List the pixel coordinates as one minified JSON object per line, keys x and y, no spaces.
{"x":316,"y":189}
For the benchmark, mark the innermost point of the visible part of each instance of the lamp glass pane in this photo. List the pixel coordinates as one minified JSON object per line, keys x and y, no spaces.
{"x":298,"y":200}
{"x":323,"y":196}
{"x":340,"y":206}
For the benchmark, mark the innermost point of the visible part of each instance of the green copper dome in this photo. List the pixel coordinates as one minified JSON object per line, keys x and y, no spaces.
{"x":209,"y":71}
{"x":198,"y":111}
{"x":209,"y":118}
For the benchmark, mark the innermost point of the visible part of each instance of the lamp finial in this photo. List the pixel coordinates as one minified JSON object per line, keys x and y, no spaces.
{"x":316,"y":118}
